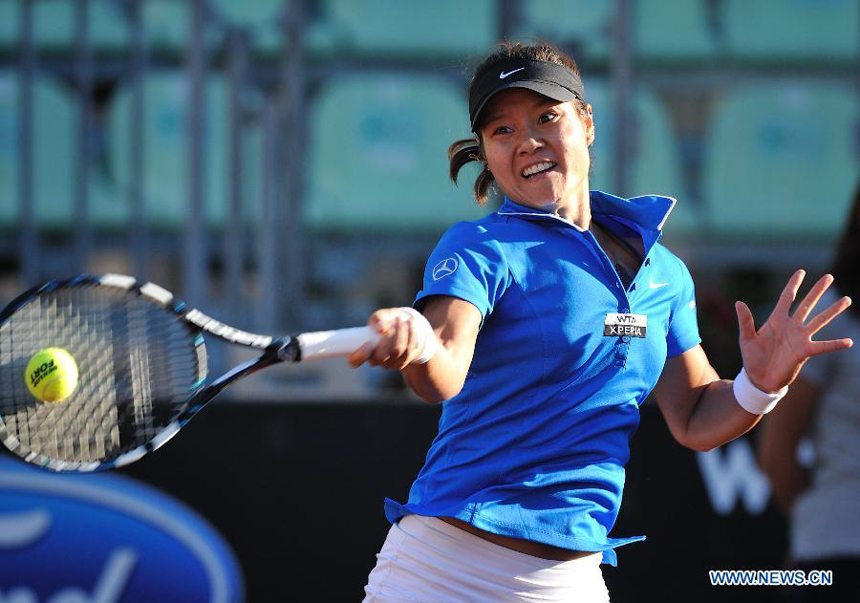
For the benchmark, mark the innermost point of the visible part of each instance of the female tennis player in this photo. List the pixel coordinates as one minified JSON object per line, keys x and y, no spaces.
{"x":542,"y":327}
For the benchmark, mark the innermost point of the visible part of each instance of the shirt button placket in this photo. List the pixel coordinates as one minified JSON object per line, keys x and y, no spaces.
{"x":621,"y":350}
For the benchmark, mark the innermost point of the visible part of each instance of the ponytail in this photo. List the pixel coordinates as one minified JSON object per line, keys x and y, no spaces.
{"x":465,"y":151}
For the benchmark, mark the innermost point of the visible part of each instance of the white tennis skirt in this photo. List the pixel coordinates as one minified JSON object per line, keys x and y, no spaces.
{"x":427,"y":560}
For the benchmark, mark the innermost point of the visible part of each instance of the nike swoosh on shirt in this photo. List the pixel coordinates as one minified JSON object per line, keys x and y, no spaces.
{"x":503,"y":75}
{"x":654,"y":285}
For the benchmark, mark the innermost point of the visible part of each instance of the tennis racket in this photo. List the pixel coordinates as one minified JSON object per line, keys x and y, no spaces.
{"x":142,"y":372}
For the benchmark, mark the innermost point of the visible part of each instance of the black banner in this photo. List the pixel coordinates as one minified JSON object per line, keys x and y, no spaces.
{"x":297,"y":491}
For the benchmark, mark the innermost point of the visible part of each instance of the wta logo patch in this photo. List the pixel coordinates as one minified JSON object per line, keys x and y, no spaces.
{"x":619,"y":325}
{"x":444,"y":268}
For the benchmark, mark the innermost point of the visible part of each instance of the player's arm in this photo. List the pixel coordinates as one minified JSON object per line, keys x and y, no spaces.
{"x":703,"y":411}
{"x":777,"y":442}
{"x":699,"y":407}
{"x":455,"y":325}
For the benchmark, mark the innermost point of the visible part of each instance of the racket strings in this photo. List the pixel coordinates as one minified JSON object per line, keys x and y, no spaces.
{"x":137,"y":366}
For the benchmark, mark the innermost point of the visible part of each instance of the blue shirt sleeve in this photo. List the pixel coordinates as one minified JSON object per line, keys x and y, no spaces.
{"x":683,"y":325}
{"x":468,"y":263}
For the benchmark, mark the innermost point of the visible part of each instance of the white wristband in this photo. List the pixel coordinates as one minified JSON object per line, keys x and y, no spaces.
{"x":751,"y":398}
{"x":428,"y":344}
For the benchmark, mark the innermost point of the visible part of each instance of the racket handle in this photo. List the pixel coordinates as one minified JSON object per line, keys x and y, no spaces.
{"x":330,"y":344}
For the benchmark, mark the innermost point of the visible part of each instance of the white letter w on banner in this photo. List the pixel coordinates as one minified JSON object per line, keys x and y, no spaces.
{"x":731,"y":475}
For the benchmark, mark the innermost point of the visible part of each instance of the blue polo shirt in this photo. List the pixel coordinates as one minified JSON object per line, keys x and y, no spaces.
{"x":534,"y":445}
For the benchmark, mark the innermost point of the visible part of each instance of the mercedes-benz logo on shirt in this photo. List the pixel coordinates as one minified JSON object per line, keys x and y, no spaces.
{"x":444,"y":268}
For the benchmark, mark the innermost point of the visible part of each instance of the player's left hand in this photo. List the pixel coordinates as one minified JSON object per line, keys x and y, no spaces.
{"x":774,"y":355}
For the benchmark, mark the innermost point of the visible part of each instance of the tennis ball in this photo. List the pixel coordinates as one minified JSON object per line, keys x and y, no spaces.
{"x":52,"y":375}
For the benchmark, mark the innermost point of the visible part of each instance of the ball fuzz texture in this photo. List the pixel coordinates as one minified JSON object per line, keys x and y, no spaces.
{"x":52,"y":375}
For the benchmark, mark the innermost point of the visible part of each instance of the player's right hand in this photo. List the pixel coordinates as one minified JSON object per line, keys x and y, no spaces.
{"x":405,"y":337}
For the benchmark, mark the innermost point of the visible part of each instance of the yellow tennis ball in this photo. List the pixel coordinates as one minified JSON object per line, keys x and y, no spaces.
{"x":52,"y":375}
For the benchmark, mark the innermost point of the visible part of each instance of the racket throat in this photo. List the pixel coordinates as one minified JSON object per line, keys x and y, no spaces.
{"x":285,"y":349}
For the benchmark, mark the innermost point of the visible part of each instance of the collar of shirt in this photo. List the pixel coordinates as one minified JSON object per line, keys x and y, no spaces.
{"x":645,"y":214}
{"x":649,"y":212}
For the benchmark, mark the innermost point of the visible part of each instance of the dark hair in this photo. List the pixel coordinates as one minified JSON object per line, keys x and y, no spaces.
{"x":844,"y":270}
{"x":471,"y":149}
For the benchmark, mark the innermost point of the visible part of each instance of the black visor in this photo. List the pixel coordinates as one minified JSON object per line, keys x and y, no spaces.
{"x":550,"y":79}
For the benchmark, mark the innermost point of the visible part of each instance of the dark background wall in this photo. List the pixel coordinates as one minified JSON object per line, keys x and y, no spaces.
{"x":297,"y":491}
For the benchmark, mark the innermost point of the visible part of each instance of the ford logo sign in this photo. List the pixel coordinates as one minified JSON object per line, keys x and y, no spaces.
{"x":103,"y":539}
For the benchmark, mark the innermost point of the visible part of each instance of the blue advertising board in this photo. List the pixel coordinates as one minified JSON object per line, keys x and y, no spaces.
{"x":106,"y":538}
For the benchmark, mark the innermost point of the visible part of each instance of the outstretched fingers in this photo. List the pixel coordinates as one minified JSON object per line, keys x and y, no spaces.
{"x":746,"y":324}
{"x":820,"y":321}
{"x":830,"y":345}
{"x":789,"y":292}
{"x":811,"y":299}
{"x":828,"y":314}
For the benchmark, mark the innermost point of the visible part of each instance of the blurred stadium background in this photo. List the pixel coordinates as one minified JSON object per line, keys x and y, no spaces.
{"x":281,"y":165}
